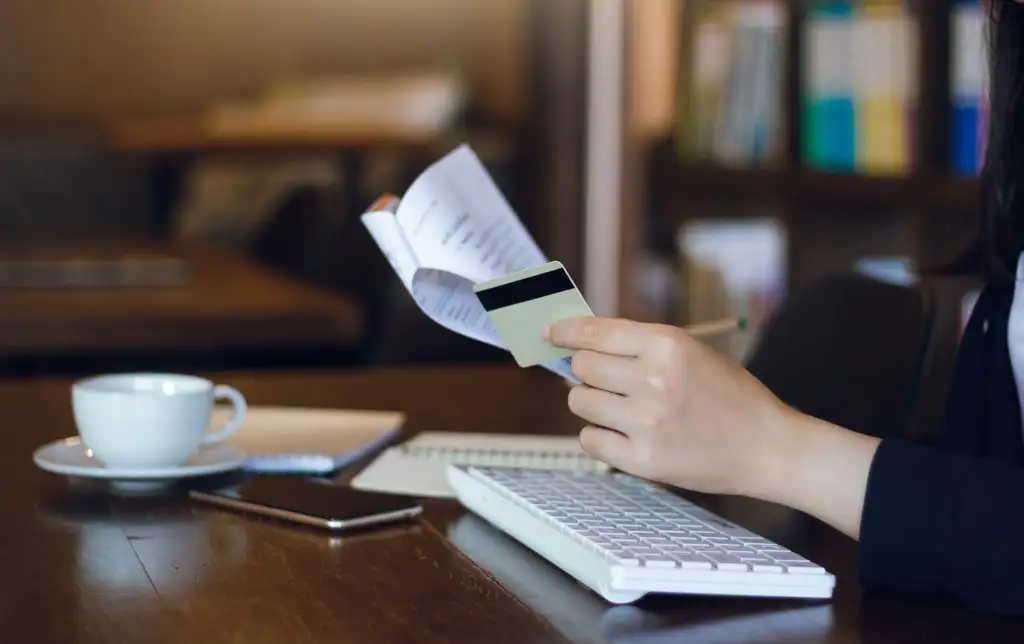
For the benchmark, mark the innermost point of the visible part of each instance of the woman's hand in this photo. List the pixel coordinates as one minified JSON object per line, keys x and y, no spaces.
{"x":665,"y":407}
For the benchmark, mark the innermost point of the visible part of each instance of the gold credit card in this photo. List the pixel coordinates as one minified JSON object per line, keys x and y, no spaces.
{"x":522,"y":304}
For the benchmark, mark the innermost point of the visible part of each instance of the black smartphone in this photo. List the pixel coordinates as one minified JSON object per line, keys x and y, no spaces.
{"x":312,"y":502}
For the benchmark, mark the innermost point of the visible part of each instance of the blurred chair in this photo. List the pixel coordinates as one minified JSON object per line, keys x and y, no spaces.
{"x":314,"y":238}
{"x":851,"y":350}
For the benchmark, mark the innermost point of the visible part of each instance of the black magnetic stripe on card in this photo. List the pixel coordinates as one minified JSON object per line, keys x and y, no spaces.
{"x":525,"y":290}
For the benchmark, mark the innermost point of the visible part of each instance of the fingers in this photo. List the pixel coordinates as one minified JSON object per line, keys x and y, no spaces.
{"x":612,"y":373}
{"x":602,"y":408}
{"x":605,"y":335}
{"x":606,"y":445}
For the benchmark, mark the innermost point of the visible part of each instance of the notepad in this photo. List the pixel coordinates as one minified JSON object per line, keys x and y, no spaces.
{"x":309,"y":441}
{"x":417,"y":467}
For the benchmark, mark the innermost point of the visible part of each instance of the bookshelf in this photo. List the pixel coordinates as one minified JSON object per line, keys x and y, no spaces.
{"x":925,"y":184}
{"x":683,"y":182}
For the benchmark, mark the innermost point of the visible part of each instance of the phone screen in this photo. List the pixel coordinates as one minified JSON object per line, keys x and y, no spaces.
{"x":311,"y":502}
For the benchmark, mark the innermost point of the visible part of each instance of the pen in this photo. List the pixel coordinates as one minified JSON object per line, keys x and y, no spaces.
{"x":717,"y":327}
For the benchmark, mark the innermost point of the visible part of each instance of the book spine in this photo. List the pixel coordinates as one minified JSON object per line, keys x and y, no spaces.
{"x":765,"y":126}
{"x":774,"y":119}
{"x":829,"y":122}
{"x":882,"y":41}
{"x":968,"y":86}
{"x":910,"y":84}
{"x":760,"y":125}
{"x":727,"y":143}
{"x":711,"y":62}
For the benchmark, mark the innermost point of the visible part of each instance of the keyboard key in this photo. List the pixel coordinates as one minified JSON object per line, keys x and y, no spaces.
{"x":675,"y":550}
{"x":660,"y":562}
{"x":677,"y":532}
{"x":763,"y":565}
{"x":788,"y":557}
{"x":638,"y":515}
{"x":742,"y":553}
{"x":803,"y":568}
{"x":642,"y":550}
{"x":579,"y":513}
{"x":725,"y":561}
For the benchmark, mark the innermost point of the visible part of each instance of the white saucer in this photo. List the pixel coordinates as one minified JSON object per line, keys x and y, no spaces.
{"x":70,"y":458}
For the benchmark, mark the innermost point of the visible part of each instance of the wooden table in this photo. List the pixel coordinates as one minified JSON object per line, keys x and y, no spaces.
{"x":226,"y":303}
{"x":80,"y":565}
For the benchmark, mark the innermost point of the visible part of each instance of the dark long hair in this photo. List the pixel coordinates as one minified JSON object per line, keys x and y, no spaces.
{"x":1000,"y":239}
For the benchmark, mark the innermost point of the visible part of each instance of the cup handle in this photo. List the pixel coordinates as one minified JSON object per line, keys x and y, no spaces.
{"x":224,"y":392}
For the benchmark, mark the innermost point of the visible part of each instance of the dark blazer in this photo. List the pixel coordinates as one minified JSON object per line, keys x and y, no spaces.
{"x":949,"y":518}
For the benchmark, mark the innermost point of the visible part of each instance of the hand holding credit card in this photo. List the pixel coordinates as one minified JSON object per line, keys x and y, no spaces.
{"x":522,"y":304}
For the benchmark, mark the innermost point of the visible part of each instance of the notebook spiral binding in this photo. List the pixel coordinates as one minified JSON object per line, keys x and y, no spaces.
{"x":573,"y":461}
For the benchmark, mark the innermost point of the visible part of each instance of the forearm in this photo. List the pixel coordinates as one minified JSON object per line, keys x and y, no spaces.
{"x":820,"y":469}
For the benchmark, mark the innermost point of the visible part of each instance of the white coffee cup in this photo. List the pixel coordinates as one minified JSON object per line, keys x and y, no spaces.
{"x":150,"y":420}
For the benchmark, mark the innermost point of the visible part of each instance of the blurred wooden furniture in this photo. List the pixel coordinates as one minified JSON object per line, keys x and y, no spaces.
{"x":86,"y":566}
{"x":187,"y":134}
{"x":224,"y":303}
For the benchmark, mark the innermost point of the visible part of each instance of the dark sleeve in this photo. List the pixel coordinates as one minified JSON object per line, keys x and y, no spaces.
{"x":935,"y":521}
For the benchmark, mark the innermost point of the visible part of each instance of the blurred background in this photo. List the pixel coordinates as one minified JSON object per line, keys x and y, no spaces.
{"x":181,"y":182}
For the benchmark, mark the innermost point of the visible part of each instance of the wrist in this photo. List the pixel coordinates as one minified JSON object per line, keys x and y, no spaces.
{"x":818,"y":468}
{"x":780,"y":452}
{"x":797,"y":455}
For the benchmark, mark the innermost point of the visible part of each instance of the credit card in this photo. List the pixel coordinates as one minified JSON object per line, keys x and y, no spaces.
{"x":522,"y":304}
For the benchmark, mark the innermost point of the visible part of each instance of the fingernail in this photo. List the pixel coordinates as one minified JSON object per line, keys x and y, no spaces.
{"x":547,"y":332}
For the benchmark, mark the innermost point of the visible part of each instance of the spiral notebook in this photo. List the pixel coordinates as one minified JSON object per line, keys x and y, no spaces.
{"x":417,"y":467}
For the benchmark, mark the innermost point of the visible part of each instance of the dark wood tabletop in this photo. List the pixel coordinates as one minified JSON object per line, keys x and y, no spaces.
{"x":220,"y":301}
{"x":81,"y":564}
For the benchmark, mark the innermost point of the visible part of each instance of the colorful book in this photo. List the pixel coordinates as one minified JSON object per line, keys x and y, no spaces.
{"x":883,"y":40}
{"x":968,"y":86}
{"x":828,"y":123}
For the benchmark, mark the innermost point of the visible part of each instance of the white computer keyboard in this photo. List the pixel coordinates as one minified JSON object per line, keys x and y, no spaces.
{"x":624,"y":538}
